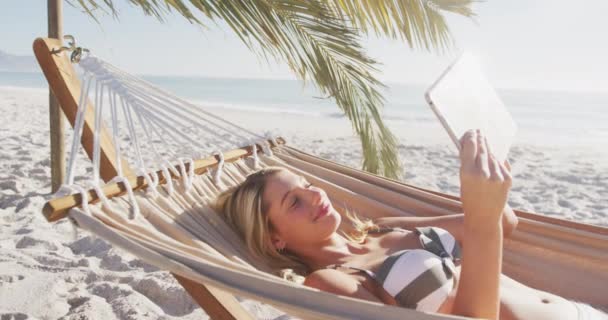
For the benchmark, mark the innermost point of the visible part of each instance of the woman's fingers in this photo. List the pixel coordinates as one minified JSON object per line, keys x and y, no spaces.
{"x":493,"y":165}
{"x":482,"y":154}
{"x":476,"y":156}
{"x":468,"y":147}
{"x":495,"y":170}
{"x":506,"y":173}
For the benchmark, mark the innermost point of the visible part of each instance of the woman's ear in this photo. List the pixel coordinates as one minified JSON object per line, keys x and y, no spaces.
{"x":278,"y":242}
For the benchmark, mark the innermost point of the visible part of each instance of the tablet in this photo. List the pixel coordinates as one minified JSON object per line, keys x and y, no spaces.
{"x":463,"y":99}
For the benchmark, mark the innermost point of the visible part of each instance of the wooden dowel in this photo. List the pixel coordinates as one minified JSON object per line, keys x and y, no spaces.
{"x":56,"y":209}
{"x":222,"y":310}
{"x":56,"y":119}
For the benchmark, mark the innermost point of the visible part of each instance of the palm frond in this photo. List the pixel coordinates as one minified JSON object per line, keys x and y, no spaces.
{"x":419,"y":22}
{"x":320,"y":41}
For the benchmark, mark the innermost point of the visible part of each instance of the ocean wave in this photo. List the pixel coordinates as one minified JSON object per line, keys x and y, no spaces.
{"x":409,"y":118}
{"x":300,"y":111}
{"x":256,"y":108}
{"x":23,"y":88}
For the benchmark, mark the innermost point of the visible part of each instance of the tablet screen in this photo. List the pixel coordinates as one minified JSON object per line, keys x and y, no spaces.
{"x":463,"y":99}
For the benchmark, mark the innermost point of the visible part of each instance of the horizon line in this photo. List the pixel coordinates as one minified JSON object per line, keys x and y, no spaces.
{"x":309,"y":82}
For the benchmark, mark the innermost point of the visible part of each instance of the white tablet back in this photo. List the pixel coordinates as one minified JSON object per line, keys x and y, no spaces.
{"x":463,"y":99}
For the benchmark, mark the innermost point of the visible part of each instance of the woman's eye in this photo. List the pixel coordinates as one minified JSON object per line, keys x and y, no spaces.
{"x":295,"y":202}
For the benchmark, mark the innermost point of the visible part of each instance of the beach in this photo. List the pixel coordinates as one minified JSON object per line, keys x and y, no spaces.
{"x":52,"y":271}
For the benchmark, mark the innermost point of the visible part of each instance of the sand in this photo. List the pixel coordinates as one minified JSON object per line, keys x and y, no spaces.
{"x":52,"y":271}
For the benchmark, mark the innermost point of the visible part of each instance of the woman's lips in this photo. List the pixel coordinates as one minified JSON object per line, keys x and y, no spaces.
{"x":322,"y":211}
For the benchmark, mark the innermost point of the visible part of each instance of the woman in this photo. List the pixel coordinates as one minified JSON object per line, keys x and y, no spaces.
{"x":292,"y":225}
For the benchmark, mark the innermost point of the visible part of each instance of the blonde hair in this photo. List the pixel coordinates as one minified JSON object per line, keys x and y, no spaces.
{"x":243,"y":209}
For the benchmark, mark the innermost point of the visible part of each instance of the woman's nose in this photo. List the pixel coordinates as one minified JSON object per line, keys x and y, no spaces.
{"x":315,"y":195}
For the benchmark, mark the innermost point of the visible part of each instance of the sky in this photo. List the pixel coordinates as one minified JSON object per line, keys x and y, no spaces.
{"x":529,"y":44}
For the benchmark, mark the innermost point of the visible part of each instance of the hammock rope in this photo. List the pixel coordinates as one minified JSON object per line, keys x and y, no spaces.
{"x":78,"y":125}
{"x":165,"y":120}
{"x":137,"y":89}
{"x":194,"y":110}
{"x":115,"y":134}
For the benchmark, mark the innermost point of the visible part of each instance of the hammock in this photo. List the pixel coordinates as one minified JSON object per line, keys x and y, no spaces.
{"x":164,"y":216}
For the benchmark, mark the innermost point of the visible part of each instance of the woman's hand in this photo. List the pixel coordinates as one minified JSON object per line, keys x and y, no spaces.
{"x":484,"y":181}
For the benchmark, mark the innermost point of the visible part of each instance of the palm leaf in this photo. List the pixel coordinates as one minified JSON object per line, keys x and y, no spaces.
{"x":320,"y":41}
{"x":419,"y":22}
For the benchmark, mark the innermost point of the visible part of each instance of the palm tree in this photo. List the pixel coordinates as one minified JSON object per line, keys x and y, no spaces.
{"x":320,"y":42}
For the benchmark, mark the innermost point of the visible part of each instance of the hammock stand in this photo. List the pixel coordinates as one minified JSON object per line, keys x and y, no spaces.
{"x":219,"y":304}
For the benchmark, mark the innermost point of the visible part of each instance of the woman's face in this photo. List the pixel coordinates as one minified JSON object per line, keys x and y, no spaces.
{"x":300,"y":212}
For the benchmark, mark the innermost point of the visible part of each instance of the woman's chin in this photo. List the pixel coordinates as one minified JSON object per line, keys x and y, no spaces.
{"x":333,"y":219}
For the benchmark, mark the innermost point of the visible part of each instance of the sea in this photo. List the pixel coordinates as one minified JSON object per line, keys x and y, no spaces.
{"x":558,"y":119}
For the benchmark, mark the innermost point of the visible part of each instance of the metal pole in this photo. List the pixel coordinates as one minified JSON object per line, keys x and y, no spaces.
{"x":55,"y":28}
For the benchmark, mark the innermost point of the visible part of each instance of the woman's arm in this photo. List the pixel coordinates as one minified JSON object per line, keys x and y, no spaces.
{"x":453,"y":223}
{"x":485,"y":185}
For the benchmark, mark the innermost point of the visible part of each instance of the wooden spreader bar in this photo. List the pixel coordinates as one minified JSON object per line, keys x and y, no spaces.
{"x":59,"y":208}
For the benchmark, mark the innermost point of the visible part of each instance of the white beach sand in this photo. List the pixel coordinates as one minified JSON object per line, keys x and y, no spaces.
{"x":49,"y":271}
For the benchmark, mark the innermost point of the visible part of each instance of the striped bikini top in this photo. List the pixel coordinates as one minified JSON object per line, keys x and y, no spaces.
{"x":420,"y":279}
